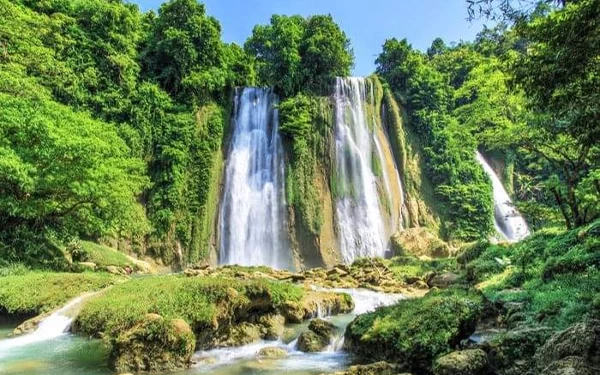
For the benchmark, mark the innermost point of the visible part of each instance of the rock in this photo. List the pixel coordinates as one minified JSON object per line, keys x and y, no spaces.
{"x":29,"y":326}
{"x":570,"y":366}
{"x":313,"y":302}
{"x":581,"y":340}
{"x":87,"y":266}
{"x":154,"y":345}
{"x":443,"y":280}
{"x":464,"y":362}
{"x":337,"y":271}
{"x":419,"y":242}
{"x":507,"y":350}
{"x":322,"y":327}
{"x":378,"y":368}
{"x":272,"y":326}
{"x":272,"y":352}
{"x":240,"y":334}
{"x":310,"y":342}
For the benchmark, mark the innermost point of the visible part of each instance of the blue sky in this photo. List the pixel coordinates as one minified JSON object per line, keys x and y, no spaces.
{"x":368,"y":23}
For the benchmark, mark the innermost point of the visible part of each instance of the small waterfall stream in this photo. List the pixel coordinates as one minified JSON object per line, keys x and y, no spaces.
{"x":361,"y":226}
{"x":55,"y":325}
{"x":253,"y":207}
{"x":507,"y":220}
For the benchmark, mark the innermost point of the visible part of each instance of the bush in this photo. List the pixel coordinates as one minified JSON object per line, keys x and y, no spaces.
{"x":414,"y":332}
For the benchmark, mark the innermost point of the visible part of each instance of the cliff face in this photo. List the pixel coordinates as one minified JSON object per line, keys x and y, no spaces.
{"x":313,"y":182}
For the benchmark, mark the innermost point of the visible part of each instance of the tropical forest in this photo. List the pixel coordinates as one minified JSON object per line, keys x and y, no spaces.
{"x":255,"y":193}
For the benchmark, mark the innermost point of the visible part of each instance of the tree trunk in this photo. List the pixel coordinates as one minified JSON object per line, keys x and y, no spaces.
{"x":563,"y":209}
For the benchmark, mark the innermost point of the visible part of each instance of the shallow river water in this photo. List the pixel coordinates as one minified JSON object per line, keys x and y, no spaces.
{"x":67,"y":354}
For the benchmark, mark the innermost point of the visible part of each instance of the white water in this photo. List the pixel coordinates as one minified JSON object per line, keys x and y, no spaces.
{"x":50,"y":328}
{"x":507,"y":220}
{"x":253,"y":207}
{"x":330,"y":359}
{"x":360,"y":224}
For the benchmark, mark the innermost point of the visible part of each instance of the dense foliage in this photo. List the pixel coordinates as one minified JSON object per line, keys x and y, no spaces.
{"x":296,"y":54}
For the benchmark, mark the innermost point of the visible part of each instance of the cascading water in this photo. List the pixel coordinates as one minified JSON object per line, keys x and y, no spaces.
{"x":507,"y":220}
{"x":253,"y":207}
{"x":50,"y":328}
{"x":361,"y":227}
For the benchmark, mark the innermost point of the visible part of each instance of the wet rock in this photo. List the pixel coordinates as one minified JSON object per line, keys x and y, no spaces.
{"x":581,"y":340}
{"x":272,"y":352}
{"x":310,"y":342}
{"x":464,"y":362}
{"x":315,"y":302}
{"x":272,"y":326}
{"x":156,"y":344}
{"x":29,"y":326}
{"x":322,"y":327}
{"x":443,"y":280}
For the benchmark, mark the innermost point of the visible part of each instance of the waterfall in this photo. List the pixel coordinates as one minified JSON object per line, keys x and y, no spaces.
{"x":362,"y":229}
{"x":507,"y":220}
{"x":253,"y":208}
{"x":55,"y":325}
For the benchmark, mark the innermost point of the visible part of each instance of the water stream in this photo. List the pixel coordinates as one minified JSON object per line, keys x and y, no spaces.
{"x":65,"y":354}
{"x":253,"y":208}
{"x":508,"y":221}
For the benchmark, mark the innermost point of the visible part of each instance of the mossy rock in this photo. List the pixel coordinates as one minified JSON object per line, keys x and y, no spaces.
{"x":272,"y":326}
{"x":464,"y":362}
{"x":413,"y":332}
{"x":419,"y":242}
{"x":156,"y":344}
{"x":322,"y":327}
{"x":378,"y":368}
{"x":580,"y":340}
{"x":310,"y":342}
{"x":572,"y":365}
{"x":515,"y":346}
{"x":272,"y":352}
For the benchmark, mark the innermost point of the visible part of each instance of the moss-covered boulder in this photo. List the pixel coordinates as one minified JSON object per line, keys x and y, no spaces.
{"x":413,"y":332}
{"x":463,"y":362}
{"x":314,"y":302}
{"x":317,"y":338}
{"x":419,"y":242}
{"x":513,"y":351}
{"x":272,"y":352}
{"x":573,"y":365}
{"x":155,"y":344}
{"x":579,"y":340}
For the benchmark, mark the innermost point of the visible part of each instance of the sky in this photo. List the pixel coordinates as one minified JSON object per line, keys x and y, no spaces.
{"x":368,"y":23}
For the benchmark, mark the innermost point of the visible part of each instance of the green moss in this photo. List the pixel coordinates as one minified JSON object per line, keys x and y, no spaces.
{"x":416,"y":331}
{"x":199,"y":301}
{"x":39,"y":292}
{"x":554,"y":274}
{"x":406,"y":267}
{"x":103,"y":256}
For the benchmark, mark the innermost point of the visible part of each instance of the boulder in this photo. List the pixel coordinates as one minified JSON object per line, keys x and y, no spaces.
{"x":419,"y":242}
{"x":580,"y":340}
{"x":314,"y":302}
{"x":29,"y":326}
{"x":322,"y":327}
{"x":272,"y":352}
{"x":443,"y":280}
{"x":463,"y":362}
{"x":572,"y":365}
{"x":153,"y":345}
{"x":272,"y":326}
{"x":310,"y":342}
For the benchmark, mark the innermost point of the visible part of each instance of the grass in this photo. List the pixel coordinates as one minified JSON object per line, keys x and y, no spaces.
{"x":416,"y":331}
{"x":199,"y":301}
{"x":554,"y":274}
{"x":38,"y":292}
{"x":104,"y":256}
{"x":410,"y":267}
